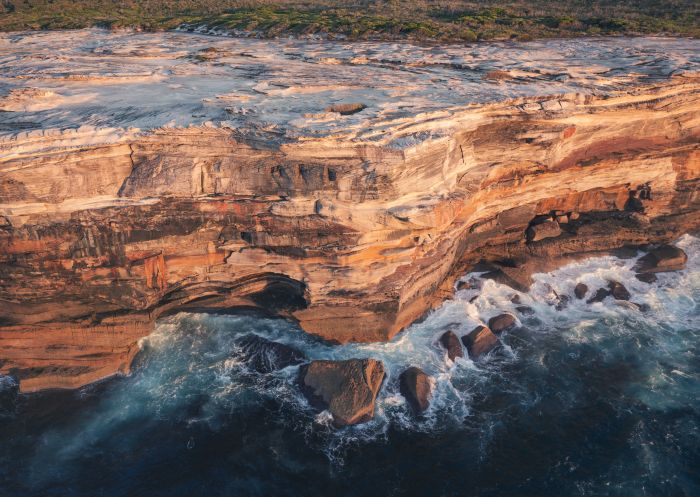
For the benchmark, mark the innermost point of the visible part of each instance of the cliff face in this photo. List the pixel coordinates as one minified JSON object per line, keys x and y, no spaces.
{"x":104,"y":230}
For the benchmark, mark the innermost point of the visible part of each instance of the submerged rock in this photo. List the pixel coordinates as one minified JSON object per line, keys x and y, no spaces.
{"x":663,"y":258}
{"x":417,"y":387}
{"x":451,"y":343}
{"x":618,"y":290}
{"x":627,"y":304}
{"x":525,"y":310}
{"x":348,"y":389}
{"x":562,"y":302}
{"x":480,"y":341}
{"x":9,"y":390}
{"x":580,"y":290}
{"x":553,"y":298}
{"x":502,"y":322}
{"x":599,"y":296}
{"x":470,"y":284}
{"x":265,"y":356}
{"x":646,"y":277}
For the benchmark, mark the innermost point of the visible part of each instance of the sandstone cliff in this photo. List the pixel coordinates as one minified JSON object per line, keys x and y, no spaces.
{"x":103,"y":230}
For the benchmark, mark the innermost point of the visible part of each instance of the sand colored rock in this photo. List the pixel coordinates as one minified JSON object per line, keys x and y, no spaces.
{"x":417,"y":388}
{"x":546,"y":229}
{"x":354,"y":228}
{"x":265,"y":356}
{"x":450,"y":343}
{"x":600,"y":295}
{"x":480,"y":341}
{"x":348,"y":389}
{"x":618,"y":291}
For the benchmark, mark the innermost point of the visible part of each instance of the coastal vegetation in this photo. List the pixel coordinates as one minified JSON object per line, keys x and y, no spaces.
{"x":421,"y":20}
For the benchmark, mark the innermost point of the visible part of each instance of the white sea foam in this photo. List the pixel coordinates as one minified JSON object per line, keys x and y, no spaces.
{"x":150,"y":80}
{"x":195,"y":356}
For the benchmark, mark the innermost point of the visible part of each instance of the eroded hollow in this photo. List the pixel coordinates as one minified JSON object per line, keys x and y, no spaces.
{"x":269,"y":293}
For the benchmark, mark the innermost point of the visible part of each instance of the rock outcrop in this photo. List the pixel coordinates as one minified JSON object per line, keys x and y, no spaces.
{"x":265,"y":356}
{"x":354,"y":231}
{"x":450,"y":342}
{"x":580,"y":290}
{"x":662,"y":259}
{"x":502,"y":322}
{"x":480,"y":341}
{"x":348,"y":389}
{"x":417,"y":388}
{"x":618,"y":291}
{"x":600,"y":295}
{"x":646,"y":277}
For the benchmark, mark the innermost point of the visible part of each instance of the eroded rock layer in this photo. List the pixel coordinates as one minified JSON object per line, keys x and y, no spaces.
{"x":103,"y":230}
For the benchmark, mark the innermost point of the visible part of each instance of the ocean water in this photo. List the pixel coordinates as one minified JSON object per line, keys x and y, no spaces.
{"x":594,"y":399}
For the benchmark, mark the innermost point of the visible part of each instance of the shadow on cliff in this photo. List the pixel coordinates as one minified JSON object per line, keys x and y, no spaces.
{"x":269,"y":294}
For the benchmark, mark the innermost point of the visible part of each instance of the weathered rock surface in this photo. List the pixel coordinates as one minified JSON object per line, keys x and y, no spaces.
{"x":480,"y":341}
{"x":265,"y":356}
{"x":417,"y":388}
{"x":546,"y":229}
{"x":450,"y":342}
{"x":502,"y":322}
{"x":348,"y":389}
{"x":661,"y":259}
{"x":580,"y":290}
{"x":354,"y":228}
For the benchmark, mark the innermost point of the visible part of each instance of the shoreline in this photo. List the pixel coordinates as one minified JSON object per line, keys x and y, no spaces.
{"x":353,"y":233}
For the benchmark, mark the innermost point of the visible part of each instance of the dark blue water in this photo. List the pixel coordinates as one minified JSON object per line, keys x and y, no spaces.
{"x":593,"y":400}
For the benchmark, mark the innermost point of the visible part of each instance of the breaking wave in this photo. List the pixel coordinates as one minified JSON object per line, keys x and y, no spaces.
{"x":588,"y":399}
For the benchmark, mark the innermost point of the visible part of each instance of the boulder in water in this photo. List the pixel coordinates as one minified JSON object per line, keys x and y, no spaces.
{"x":502,"y":322}
{"x":663,"y":258}
{"x":450,"y":341}
{"x":417,"y":388}
{"x":646,"y":277}
{"x":618,"y":290}
{"x":580,"y":290}
{"x":348,"y":389}
{"x":525,"y":310}
{"x":599,"y":296}
{"x":265,"y":356}
{"x":480,"y":341}
{"x":643,"y":307}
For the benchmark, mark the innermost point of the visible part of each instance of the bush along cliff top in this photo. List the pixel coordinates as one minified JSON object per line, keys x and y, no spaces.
{"x":453,"y":21}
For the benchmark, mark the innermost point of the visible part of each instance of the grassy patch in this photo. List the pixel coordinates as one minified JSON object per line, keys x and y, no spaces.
{"x":453,"y":20}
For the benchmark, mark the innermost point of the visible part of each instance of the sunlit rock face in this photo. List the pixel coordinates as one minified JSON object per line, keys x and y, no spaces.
{"x":342,"y":185}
